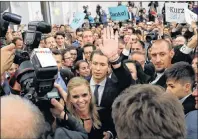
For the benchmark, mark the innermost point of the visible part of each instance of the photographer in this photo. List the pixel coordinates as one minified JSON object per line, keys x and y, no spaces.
{"x":14,"y":123}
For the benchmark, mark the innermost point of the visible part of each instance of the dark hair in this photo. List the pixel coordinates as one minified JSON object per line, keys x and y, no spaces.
{"x":64,"y":51}
{"x":138,"y":32}
{"x":60,"y":33}
{"x":142,"y":44}
{"x":62,"y":25}
{"x":16,"y":38}
{"x":77,"y":65}
{"x":182,"y":72}
{"x":99,"y":52}
{"x":146,"y":111}
{"x":133,"y":30}
{"x":56,"y":51}
{"x":142,"y":77}
{"x":79,"y":30}
{"x":89,"y":45}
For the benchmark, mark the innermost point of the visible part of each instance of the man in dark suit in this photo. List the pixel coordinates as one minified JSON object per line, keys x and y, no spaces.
{"x":107,"y":89}
{"x":180,"y":81}
{"x":130,"y":14}
{"x":162,"y":55}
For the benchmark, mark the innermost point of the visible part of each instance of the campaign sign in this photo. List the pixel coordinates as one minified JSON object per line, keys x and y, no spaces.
{"x":175,"y":12}
{"x":118,"y":13}
{"x":190,"y":16}
{"x":77,"y":20}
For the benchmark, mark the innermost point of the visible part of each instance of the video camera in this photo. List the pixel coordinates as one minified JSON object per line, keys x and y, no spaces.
{"x":35,"y":77}
{"x":5,"y":19}
{"x":151,"y":36}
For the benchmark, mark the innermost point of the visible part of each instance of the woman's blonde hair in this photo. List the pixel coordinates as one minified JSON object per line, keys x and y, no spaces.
{"x":73,"y":83}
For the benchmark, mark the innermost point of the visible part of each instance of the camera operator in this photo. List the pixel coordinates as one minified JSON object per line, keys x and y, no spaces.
{"x":31,"y":123}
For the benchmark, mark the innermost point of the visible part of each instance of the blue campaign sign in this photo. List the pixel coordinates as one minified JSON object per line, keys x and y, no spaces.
{"x":118,"y":13}
{"x":78,"y":20}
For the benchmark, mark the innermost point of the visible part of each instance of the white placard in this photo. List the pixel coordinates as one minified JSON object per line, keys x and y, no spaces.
{"x":175,"y":12}
{"x":45,"y":57}
{"x":190,"y":16}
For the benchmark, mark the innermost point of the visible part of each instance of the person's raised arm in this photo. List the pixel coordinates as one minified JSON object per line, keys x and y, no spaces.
{"x":7,"y":57}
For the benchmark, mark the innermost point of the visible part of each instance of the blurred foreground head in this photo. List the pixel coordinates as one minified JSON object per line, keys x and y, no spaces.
{"x":20,"y":118}
{"x":146,"y":111}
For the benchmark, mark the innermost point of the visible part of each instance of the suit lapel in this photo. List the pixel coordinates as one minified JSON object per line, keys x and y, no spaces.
{"x":105,"y":92}
{"x":189,"y":104}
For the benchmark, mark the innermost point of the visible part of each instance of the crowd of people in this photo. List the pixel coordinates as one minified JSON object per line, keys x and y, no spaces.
{"x":134,"y":79}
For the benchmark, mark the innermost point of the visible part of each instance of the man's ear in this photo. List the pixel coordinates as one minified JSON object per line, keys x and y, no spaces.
{"x":187,"y":87}
{"x":172,"y":53}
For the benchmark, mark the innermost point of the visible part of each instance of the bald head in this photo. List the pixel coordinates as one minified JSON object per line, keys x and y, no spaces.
{"x":20,"y":118}
{"x":161,"y":55}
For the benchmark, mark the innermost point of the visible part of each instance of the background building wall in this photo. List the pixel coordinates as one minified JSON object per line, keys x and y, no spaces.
{"x":61,"y":12}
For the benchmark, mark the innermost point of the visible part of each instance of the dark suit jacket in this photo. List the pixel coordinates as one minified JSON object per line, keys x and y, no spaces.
{"x":132,"y":16}
{"x":70,"y":129}
{"x":107,"y":125}
{"x":161,"y":82}
{"x":179,"y":56}
{"x":112,"y":89}
{"x":189,"y":104}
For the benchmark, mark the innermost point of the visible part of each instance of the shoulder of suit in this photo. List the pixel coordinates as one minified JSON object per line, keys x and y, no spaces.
{"x":192,"y":115}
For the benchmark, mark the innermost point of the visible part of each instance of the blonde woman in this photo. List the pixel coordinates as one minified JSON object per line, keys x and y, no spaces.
{"x":81,"y":104}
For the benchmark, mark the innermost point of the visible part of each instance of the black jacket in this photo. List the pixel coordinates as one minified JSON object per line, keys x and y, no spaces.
{"x":189,"y":104}
{"x":107,"y":125}
{"x":112,"y":89}
{"x":70,"y":129}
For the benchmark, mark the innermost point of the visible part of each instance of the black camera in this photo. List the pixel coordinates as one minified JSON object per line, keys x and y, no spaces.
{"x":33,"y":35}
{"x":37,"y":81}
{"x":36,"y":78}
{"x":151,"y":36}
{"x":31,"y":38}
{"x":5,"y":19}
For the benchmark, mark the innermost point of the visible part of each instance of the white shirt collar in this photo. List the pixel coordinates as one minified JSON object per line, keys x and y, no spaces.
{"x":184,"y":98}
{"x":102,"y":83}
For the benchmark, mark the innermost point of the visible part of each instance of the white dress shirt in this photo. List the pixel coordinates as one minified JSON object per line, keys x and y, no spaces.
{"x":100,"y":89}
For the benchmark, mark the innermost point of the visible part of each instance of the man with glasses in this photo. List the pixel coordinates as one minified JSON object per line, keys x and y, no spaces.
{"x":73,"y":52}
{"x":68,"y":59}
{"x":87,"y":50}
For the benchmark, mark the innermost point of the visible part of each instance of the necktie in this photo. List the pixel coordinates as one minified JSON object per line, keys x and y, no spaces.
{"x":96,"y":93}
